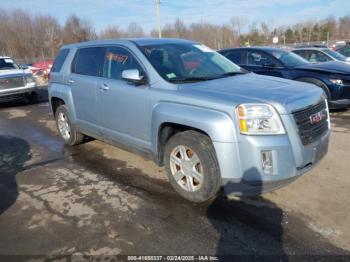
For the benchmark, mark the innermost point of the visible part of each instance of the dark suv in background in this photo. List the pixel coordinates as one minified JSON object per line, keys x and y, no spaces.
{"x":333,"y":77}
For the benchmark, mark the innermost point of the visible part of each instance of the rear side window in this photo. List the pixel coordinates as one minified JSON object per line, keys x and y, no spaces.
{"x":89,"y":61}
{"x":57,"y":65}
{"x":236,"y":57}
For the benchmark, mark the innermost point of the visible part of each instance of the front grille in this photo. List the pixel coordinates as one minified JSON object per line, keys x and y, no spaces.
{"x":11,"y":82}
{"x":310,"y":131}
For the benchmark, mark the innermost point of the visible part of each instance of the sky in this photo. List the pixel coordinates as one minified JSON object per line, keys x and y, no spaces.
{"x":121,"y":12}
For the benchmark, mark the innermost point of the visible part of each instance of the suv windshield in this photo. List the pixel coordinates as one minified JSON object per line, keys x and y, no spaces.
{"x":334,"y":54}
{"x":289,"y":59}
{"x":7,"y":63}
{"x":189,"y":62}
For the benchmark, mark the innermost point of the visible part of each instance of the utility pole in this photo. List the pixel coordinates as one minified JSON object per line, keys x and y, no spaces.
{"x":158,"y":18}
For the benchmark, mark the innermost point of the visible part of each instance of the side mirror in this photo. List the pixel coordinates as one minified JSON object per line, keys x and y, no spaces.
{"x":23,"y":66}
{"x":134,"y":76}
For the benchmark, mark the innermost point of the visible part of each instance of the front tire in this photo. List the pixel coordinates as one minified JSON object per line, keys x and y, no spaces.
{"x":65,"y":127}
{"x":191,"y":166}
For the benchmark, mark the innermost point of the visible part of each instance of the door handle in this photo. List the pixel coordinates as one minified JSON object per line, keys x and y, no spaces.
{"x":104,"y":87}
{"x":71,"y":81}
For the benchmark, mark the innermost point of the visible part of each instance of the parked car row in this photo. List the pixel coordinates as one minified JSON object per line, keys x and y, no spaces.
{"x":332,"y":77}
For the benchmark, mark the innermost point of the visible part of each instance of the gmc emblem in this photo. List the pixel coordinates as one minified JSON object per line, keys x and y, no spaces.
{"x":318,"y":117}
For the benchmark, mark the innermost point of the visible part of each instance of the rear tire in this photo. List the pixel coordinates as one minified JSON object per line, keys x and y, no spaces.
{"x":191,"y":166}
{"x":67,"y":130}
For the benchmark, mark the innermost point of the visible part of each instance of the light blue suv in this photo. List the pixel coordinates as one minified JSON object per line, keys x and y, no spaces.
{"x":210,"y":123}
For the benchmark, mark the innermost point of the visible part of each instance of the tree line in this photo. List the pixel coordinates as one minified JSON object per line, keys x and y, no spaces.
{"x":27,"y":37}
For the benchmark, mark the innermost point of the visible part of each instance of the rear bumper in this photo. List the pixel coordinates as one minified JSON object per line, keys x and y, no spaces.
{"x":28,"y":88}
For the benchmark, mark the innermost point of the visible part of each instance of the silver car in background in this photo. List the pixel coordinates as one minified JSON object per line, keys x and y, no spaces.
{"x":15,"y":81}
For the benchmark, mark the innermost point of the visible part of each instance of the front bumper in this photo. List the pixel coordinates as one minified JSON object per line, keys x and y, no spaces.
{"x":28,"y":88}
{"x":241,"y":163}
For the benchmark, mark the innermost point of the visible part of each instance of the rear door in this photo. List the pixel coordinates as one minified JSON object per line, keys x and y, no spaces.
{"x":124,"y":111}
{"x":87,"y":67}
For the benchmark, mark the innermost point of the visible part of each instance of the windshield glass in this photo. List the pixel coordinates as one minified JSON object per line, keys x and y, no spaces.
{"x":289,"y":59}
{"x":334,"y":54}
{"x":188,"y":62}
{"x":7,"y":63}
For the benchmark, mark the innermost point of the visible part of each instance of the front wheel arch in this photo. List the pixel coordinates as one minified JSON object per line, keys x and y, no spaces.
{"x":318,"y":83}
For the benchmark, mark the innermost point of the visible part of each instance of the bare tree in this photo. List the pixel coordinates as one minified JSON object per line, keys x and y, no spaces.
{"x":111,"y":32}
{"x":78,"y":30}
{"x":134,"y":30}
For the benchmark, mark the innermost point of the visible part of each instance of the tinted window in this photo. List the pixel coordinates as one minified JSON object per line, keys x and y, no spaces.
{"x":288,"y":58}
{"x":117,"y":60}
{"x":307,"y":54}
{"x":318,"y":57}
{"x":89,"y":61}
{"x":7,"y":63}
{"x":57,"y":65}
{"x":334,"y":54}
{"x":236,"y":57}
{"x":345,"y":51}
{"x":259,"y":59}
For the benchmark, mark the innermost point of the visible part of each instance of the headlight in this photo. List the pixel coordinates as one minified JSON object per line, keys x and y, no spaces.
{"x":29,"y":79}
{"x":336,"y":81}
{"x":259,"y":119}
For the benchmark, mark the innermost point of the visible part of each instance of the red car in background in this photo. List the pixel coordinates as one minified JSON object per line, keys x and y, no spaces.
{"x":44,"y":66}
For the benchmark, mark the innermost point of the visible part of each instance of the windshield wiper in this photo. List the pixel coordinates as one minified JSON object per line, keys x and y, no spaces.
{"x":191,"y":79}
{"x":230,"y":74}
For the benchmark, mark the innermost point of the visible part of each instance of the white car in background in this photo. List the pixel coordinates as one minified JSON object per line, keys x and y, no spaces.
{"x":320,"y":55}
{"x":15,"y":81}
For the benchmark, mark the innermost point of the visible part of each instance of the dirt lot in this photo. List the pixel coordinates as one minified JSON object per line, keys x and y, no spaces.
{"x":96,"y":199}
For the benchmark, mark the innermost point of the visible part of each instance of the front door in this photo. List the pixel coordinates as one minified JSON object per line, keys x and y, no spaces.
{"x":124,"y":107}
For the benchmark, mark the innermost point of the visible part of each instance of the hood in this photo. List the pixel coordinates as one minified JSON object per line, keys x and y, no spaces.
{"x":285,"y":95}
{"x":332,"y":67}
{"x":13,"y":72}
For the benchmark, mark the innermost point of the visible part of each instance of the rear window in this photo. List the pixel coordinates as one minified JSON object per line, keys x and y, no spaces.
{"x":89,"y":61}
{"x":57,"y":65}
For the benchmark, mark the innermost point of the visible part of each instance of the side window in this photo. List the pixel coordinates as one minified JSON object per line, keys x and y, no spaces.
{"x":259,"y":59}
{"x":320,"y":57}
{"x":61,"y":57}
{"x":118,"y":59}
{"x":89,"y":61}
{"x":345,"y":51}
{"x":307,"y":54}
{"x":236,"y":57}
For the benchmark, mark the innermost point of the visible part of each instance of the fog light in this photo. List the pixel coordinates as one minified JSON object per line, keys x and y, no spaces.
{"x":267,"y":161}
